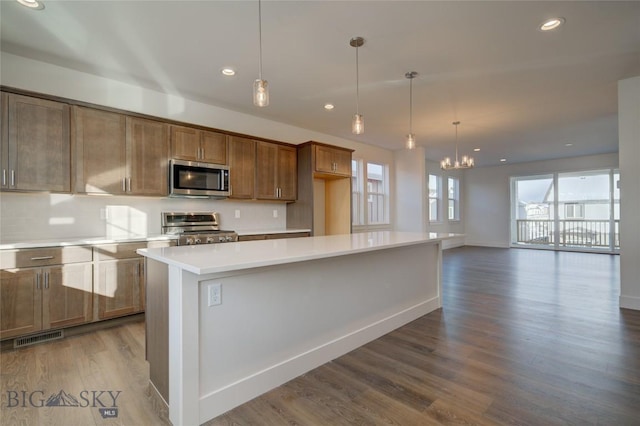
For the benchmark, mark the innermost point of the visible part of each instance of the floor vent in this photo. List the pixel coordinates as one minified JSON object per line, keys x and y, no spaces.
{"x":38,"y":338}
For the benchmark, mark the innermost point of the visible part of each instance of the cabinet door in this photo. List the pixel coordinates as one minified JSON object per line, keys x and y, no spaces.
{"x":343,"y":162}
{"x":266,"y":171}
{"x":117,"y":286}
{"x":242,"y":163}
{"x":324,"y":159}
{"x":148,"y":155}
{"x":67,"y":294}
{"x":4,"y":140}
{"x":100,"y":138}
{"x":20,"y":302}
{"x":288,"y":173}
{"x":213,"y":147}
{"x":185,"y":143}
{"x":39,"y":147}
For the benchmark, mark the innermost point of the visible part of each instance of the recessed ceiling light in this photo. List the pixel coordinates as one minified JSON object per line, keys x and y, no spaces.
{"x":551,"y":24}
{"x":502,"y":160}
{"x":328,"y":107}
{"x":476,"y":149}
{"x":568,"y":144}
{"x":228,"y":71}
{"x":32,"y":4}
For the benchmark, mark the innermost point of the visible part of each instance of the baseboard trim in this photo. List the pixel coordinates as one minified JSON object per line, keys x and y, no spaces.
{"x":630,"y":302}
{"x":243,"y":390}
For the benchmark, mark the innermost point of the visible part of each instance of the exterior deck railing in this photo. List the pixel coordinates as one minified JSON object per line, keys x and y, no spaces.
{"x":572,"y":233}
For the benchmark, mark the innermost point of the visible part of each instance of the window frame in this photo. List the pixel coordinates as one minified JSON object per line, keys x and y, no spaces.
{"x":438,"y":198}
{"x":384,"y":193}
{"x":455,"y":199}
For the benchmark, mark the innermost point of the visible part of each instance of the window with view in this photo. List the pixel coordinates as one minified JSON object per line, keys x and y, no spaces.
{"x":377,"y":205}
{"x":435,"y":195}
{"x":453,"y":194}
{"x":356,"y":193}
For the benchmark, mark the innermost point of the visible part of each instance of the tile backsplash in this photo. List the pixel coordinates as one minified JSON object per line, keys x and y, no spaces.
{"x":26,"y":217}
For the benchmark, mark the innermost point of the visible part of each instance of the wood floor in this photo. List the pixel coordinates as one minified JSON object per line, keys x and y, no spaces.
{"x":525,"y":337}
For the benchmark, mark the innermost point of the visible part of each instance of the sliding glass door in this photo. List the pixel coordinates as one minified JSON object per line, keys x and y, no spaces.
{"x":567,"y":211}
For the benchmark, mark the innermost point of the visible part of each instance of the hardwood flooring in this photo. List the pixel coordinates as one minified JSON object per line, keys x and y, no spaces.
{"x":525,"y":337}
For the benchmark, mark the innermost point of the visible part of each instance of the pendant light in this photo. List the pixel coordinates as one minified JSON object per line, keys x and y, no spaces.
{"x":260,"y":86}
{"x":466,"y":163}
{"x":357,"y":125}
{"x":411,"y":138}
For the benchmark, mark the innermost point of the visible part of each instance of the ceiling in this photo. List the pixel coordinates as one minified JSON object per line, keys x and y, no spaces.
{"x":519,"y":93}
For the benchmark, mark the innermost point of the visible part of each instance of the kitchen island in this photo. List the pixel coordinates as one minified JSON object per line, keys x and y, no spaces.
{"x":246,"y":317}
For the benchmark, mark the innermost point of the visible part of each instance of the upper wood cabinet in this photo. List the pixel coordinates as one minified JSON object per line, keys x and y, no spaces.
{"x":101,"y":151}
{"x":276,"y":172}
{"x":148,"y":157}
{"x":192,"y":144}
{"x":242,"y":163}
{"x":36,"y":153}
{"x":332,"y":160}
{"x":118,"y":154}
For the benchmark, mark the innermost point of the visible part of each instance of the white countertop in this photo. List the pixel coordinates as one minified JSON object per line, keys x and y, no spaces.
{"x":214,"y":258}
{"x":79,"y":241}
{"x":83,"y":241}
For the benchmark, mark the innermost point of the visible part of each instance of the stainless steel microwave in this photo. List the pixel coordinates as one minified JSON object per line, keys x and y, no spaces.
{"x":196,"y":179}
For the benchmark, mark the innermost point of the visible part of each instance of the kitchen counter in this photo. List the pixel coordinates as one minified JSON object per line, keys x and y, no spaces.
{"x":79,"y":241}
{"x":246,"y":317}
{"x":216,"y":258}
{"x":83,"y":241}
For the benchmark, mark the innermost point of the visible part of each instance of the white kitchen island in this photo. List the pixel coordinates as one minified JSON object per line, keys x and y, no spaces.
{"x":286,"y":307}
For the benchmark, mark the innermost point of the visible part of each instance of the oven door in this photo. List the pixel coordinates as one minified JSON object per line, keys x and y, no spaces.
{"x":194,"y":179}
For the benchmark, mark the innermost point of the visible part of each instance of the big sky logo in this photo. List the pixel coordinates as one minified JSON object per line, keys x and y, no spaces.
{"x":106,"y":401}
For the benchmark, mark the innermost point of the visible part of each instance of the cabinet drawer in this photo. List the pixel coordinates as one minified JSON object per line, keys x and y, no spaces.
{"x":287,"y":235}
{"x":44,"y":256}
{"x":117,"y":251}
{"x":126,"y":250}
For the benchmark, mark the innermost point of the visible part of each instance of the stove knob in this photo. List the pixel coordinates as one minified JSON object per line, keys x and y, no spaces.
{"x":197,"y":241}
{"x":210,"y":240}
{"x":189,"y":241}
{"x":228,"y":238}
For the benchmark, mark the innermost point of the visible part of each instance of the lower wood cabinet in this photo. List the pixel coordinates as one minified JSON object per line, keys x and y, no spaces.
{"x":36,"y":299}
{"x":74,"y":285}
{"x":119,"y":288}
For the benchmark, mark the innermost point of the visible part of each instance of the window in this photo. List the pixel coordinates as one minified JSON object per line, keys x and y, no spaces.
{"x":377,"y":205}
{"x":567,"y":211}
{"x":454,"y":198}
{"x":356,"y":193}
{"x":435,"y":195}
{"x":574,"y":211}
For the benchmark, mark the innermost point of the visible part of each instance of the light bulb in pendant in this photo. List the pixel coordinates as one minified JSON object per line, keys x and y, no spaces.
{"x":411,"y":141}
{"x":261,"y":93}
{"x":357,"y":125}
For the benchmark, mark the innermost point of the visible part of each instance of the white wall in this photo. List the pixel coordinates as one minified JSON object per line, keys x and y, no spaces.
{"x":80,"y":215}
{"x":487,"y":194}
{"x":410,"y":191}
{"x":629,"y":149}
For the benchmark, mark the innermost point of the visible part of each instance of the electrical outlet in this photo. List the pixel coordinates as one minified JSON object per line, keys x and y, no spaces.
{"x":275,"y":213}
{"x":237,"y":214}
{"x":215,"y":294}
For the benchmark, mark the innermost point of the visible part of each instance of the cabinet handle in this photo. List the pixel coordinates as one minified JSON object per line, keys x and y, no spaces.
{"x":37,"y":281}
{"x":128,"y":184}
{"x":4,"y":177}
{"x":42,"y":258}
{"x":46,"y":280}
{"x":13,"y":178}
{"x":202,"y":153}
{"x":124,"y":184}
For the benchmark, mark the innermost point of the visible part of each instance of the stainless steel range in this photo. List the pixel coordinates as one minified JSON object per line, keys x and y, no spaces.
{"x":196,"y":228}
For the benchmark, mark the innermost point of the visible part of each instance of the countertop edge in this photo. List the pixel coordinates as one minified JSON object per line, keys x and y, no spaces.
{"x":157,"y":254}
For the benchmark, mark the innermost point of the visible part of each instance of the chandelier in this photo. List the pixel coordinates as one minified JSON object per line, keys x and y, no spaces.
{"x":466,"y":163}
